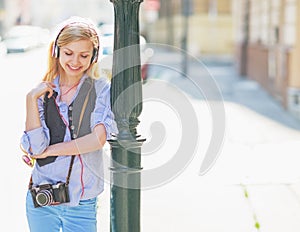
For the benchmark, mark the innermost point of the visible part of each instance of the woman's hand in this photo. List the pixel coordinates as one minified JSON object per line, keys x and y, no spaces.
{"x":32,"y":112}
{"x":40,"y":156}
{"x":48,"y":152}
{"x":41,"y":89}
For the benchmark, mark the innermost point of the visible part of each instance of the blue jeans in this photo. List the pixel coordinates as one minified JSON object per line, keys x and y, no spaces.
{"x":81,"y":218}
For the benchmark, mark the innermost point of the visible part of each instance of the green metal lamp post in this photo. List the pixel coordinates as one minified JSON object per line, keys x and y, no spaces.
{"x":126,"y":102}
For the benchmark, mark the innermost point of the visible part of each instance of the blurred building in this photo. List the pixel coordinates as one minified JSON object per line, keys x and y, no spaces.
{"x":210,"y":25}
{"x":267,"y":38}
{"x":47,"y":13}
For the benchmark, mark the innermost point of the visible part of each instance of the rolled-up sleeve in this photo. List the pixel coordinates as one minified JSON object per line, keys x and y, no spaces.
{"x":102,"y":113}
{"x":37,"y":140}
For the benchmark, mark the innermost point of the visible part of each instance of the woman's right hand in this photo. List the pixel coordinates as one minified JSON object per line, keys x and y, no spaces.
{"x":41,"y":89}
{"x":32,"y":112}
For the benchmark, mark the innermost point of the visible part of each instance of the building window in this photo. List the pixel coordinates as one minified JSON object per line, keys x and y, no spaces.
{"x":224,"y":6}
{"x":217,"y":6}
{"x":269,"y":19}
{"x":289,"y":27}
{"x":255,"y":21}
{"x":198,"y":6}
{"x":274,"y":22}
{"x":201,"y":6}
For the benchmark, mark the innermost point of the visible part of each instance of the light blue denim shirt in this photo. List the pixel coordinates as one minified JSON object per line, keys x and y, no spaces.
{"x":90,"y":167}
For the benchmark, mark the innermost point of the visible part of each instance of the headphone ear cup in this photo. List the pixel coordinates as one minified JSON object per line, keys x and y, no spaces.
{"x":56,"y":51}
{"x":94,"y":56}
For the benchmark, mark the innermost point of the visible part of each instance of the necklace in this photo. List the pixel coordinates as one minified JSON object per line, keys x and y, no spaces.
{"x":62,"y":94}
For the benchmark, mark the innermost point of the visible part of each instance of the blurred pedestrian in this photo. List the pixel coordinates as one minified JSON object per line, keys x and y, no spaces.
{"x":68,"y":120}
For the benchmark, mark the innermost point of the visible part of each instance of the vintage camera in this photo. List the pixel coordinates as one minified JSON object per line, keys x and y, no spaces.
{"x":48,"y":194}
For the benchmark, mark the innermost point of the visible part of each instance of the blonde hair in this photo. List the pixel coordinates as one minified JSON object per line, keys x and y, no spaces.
{"x":71,"y":32}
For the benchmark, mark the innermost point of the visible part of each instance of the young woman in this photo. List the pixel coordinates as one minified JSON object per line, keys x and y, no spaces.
{"x":68,"y":121}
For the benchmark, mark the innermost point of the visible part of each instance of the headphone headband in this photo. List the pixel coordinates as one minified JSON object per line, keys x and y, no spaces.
{"x":80,"y":22}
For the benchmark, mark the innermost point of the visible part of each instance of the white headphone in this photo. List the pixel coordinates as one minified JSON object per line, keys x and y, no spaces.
{"x":80,"y":22}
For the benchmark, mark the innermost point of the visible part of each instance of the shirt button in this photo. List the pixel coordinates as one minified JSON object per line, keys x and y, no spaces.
{"x":72,"y":127}
{"x":71,"y":108}
{"x":74,"y":136}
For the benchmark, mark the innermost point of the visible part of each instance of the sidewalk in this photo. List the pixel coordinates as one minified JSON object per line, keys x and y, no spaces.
{"x":254,"y":184}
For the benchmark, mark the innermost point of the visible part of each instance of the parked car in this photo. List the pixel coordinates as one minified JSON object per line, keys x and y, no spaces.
{"x":22,"y":38}
{"x":106,"y":55}
{"x":3,"y":49}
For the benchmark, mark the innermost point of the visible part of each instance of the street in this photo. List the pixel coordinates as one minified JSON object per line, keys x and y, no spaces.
{"x":254,"y":183}
{"x":251,"y":181}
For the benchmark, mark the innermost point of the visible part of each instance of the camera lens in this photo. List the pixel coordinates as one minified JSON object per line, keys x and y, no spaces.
{"x":44,"y":197}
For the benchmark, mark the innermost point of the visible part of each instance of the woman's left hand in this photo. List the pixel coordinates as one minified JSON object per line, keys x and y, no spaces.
{"x":45,"y":154}
{"x":40,"y":156}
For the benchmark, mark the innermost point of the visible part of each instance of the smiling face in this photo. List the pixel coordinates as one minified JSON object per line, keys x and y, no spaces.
{"x":75,"y":58}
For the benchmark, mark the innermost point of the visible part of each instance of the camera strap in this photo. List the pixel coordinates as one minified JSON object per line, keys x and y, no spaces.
{"x":78,"y":128}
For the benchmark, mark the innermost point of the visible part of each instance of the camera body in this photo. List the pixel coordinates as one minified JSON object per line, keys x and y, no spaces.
{"x":47,"y":194}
